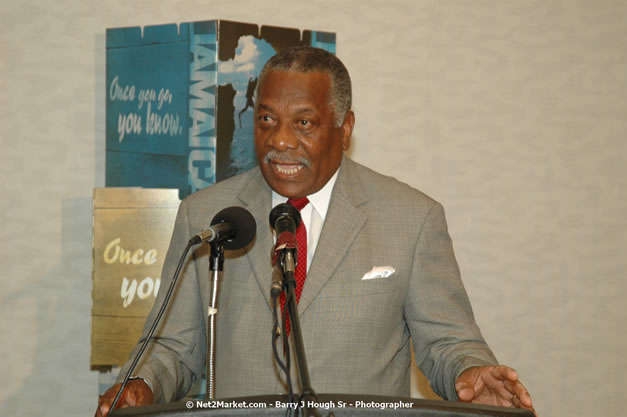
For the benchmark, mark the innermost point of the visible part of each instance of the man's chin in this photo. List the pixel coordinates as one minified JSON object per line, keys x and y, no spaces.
{"x":289,"y":189}
{"x":287,"y":186}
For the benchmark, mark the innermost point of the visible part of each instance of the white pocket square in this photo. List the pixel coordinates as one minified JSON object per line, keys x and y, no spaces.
{"x":379,"y":272}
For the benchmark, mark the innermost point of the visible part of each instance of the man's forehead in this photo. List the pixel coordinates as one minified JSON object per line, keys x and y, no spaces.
{"x":293,"y":76}
{"x":294,"y":107}
{"x":302,"y":90}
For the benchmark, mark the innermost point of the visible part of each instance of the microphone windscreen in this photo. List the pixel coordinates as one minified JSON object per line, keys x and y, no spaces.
{"x":242,"y":221}
{"x":281,"y":211}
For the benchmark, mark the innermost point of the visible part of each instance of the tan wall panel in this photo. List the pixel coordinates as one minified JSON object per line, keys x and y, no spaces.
{"x":131,"y":234}
{"x":110,"y":339}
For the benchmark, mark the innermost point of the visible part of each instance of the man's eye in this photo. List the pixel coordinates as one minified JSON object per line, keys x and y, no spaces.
{"x":265,"y":118}
{"x":304,"y":123}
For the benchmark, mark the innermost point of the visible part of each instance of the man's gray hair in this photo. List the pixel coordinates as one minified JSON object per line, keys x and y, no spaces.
{"x":310,"y":59}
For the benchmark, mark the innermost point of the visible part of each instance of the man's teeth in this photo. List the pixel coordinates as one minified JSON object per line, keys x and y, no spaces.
{"x":288,"y":169}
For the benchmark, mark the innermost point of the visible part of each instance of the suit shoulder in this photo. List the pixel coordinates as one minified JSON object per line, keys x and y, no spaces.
{"x":384,"y":188}
{"x":221,"y":193}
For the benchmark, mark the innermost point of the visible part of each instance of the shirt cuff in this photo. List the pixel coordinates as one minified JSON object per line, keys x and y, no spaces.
{"x":145,"y":380}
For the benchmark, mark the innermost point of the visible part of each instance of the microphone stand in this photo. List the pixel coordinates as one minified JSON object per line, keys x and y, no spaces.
{"x":289,"y":284}
{"x":216,"y":267}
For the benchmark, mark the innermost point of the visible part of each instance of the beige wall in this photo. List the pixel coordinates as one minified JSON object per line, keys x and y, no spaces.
{"x":511,"y":113}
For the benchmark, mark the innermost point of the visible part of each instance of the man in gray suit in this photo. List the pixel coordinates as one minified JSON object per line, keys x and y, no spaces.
{"x":380,"y":267}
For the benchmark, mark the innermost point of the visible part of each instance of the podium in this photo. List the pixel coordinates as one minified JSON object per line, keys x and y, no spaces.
{"x":340,"y":405}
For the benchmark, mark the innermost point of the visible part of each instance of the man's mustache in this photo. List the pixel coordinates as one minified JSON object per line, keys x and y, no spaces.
{"x":284,"y":157}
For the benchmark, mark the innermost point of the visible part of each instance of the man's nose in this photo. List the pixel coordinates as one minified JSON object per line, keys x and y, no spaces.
{"x":283,"y":138}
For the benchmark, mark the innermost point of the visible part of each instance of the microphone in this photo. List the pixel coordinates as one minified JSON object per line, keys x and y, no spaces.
{"x":284,"y":218}
{"x":284,"y":241}
{"x":234,"y":226}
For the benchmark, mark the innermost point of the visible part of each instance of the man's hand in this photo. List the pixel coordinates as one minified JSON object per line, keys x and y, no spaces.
{"x":493,"y":385}
{"x":136,"y":393}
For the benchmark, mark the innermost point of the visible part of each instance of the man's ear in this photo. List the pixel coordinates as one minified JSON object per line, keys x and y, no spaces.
{"x":347,"y":129}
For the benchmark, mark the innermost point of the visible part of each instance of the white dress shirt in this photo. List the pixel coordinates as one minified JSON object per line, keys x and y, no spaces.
{"x":313,"y":214}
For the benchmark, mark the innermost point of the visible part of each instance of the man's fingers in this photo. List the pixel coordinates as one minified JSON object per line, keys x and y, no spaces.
{"x":503,"y":372}
{"x":504,"y":381}
{"x":518,"y":403}
{"x":466,"y":394}
{"x":518,"y":389}
{"x":465,"y":390}
{"x":493,"y":378}
{"x":105,"y":400}
{"x":460,"y":385}
{"x":103,"y":410}
{"x":494,"y":385}
{"x":100,"y":411}
{"x":130,"y":398}
{"x":520,"y":396}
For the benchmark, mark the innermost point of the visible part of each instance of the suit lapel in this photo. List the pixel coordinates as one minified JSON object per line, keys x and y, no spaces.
{"x":343,"y":222}
{"x":256,"y":195}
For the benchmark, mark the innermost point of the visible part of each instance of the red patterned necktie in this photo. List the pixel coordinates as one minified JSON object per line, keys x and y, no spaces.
{"x":301,"y":262}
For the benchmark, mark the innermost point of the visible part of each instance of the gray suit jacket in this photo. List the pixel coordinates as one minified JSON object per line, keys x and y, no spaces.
{"x":356,"y":332}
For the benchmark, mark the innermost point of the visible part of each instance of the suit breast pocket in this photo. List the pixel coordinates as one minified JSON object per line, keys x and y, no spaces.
{"x":349,"y":283}
{"x":363,"y":304}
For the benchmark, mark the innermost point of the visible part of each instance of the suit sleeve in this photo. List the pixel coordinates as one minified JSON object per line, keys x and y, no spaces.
{"x":446,"y":338}
{"x":177,"y":350}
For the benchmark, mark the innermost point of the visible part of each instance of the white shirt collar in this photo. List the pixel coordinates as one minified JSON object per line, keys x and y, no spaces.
{"x":319,"y":200}
{"x":313,"y":214}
